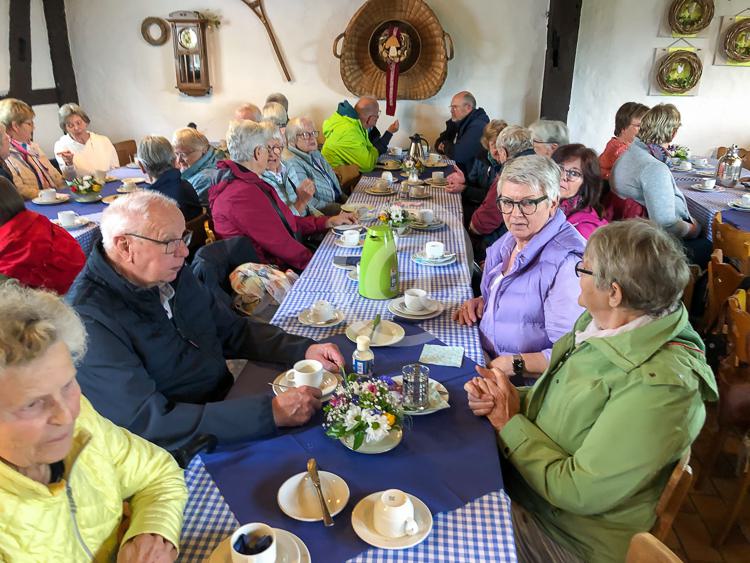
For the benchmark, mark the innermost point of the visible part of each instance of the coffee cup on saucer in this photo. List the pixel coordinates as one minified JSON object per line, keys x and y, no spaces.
{"x":426,"y":216}
{"x":708,"y":183}
{"x":434,"y":250}
{"x":256,"y":543}
{"x":685,"y":165}
{"x":48,"y":195}
{"x":745,"y":200}
{"x":381,"y":186}
{"x":306,"y":372}
{"x":350,"y":237}
{"x":100,"y":176}
{"x":415,"y":299}
{"x":128,"y":185}
{"x":393,"y":515}
{"x":417,"y":190}
{"x":322,"y":311}
{"x":387,"y":176}
{"x":702,"y":162}
{"x":438,"y":177}
{"x":67,"y":218}
{"x":395,"y":151}
{"x":434,"y":158}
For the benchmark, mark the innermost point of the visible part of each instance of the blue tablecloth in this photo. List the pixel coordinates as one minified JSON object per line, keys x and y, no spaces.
{"x":738,"y":219}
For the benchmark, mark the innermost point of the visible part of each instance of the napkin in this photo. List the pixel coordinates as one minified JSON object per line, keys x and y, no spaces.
{"x":436,"y":400}
{"x":451,"y":356}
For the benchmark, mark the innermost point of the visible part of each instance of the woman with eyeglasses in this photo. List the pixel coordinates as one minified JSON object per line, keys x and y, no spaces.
{"x":276,"y":172}
{"x":305,"y":162}
{"x":580,"y":187}
{"x":588,"y":450}
{"x":196,"y":159}
{"x":529,"y":287}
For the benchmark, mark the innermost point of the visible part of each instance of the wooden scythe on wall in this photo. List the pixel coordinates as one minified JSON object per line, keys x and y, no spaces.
{"x":257,"y":7}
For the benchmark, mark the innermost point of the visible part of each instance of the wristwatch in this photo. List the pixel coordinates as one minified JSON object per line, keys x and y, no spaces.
{"x":519,"y":366}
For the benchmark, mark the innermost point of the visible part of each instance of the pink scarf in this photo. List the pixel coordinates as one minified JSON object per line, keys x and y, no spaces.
{"x":43,"y":176}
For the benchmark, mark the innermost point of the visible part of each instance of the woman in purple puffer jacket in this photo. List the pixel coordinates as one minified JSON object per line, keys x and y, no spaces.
{"x":529,"y":286}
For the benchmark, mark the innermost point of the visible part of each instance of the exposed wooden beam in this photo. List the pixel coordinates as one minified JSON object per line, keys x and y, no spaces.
{"x":19,"y":46}
{"x":59,"y":50}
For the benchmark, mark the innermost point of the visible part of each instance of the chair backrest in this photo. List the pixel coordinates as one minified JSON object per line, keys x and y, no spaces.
{"x":739,"y":327}
{"x":733,"y":243}
{"x":126,"y":150}
{"x":687,"y":293}
{"x":721,"y":151}
{"x":673,"y":496}
{"x":645,"y":548}
{"x":200,"y":232}
{"x":723,"y":280}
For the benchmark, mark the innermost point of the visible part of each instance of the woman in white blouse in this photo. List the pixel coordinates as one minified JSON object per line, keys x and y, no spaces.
{"x":81,"y":152}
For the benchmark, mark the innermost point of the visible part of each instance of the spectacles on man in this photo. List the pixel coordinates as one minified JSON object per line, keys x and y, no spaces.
{"x":184,"y":155}
{"x":171,"y":245}
{"x":571,"y":173}
{"x":308,"y":134}
{"x":581,"y":270}
{"x":274,"y":149}
{"x":526,"y":206}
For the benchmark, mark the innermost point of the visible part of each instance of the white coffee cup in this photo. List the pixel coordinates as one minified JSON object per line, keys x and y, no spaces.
{"x":426,"y":216}
{"x":434,"y":249}
{"x":685,"y":165}
{"x":350,"y":237}
{"x":322,"y":310}
{"x":267,"y":556}
{"x":393,"y":514}
{"x":417,"y":190}
{"x":438,"y":176}
{"x":67,"y":218}
{"x":49,"y":194}
{"x":746,"y":200}
{"x":414,"y":299}
{"x":306,"y":372}
{"x":381,"y":185}
{"x":708,"y":183}
{"x":395,"y":151}
{"x":387,"y":176}
{"x":100,"y":176}
{"x":702,"y":162}
{"x":434,"y":157}
{"x":128,"y":185}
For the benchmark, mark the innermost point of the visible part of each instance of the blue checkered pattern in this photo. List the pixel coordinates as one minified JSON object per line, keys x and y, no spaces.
{"x":87,"y":236}
{"x":450,"y":284}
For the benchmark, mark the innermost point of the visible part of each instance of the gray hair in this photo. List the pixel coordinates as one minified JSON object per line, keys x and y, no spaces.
{"x":190,"y":138}
{"x":275,"y":113}
{"x":274,"y":132}
{"x":514,"y":139}
{"x":296,"y":126}
{"x":243,"y":137}
{"x":540,"y":173}
{"x":248,"y":111}
{"x":637,"y":254}
{"x":133,"y":212}
{"x":32,"y":321}
{"x":548,"y":131}
{"x":67,"y":111}
{"x":279,"y":98}
{"x":469,"y":99}
{"x":156,"y":155}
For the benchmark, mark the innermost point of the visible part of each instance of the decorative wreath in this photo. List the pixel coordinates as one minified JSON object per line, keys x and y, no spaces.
{"x":163,"y":28}
{"x":690,"y":16}
{"x":679,"y":72}
{"x":737,"y":41}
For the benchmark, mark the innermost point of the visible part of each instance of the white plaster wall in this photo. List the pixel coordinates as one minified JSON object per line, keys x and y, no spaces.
{"x":127,"y":85}
{"x":616,"y":43}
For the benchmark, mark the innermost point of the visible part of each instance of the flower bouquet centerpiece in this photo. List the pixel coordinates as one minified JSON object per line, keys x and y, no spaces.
{"x":85,"y":189}
{"x":678,"y":151}
{"x":395,"y":217}
{"x":365,"y":415}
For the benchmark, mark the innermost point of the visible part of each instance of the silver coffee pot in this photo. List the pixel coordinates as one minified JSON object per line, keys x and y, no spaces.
{"x":729,"y":168}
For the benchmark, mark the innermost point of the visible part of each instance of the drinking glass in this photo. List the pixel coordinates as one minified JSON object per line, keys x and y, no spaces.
{"x":416,"y":386}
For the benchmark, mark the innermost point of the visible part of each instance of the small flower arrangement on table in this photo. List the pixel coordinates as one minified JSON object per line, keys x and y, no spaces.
{"x":363,"y":410}
{"x":395,"y":217}
{"x":678,"y":151}
{"x":84,"y":187}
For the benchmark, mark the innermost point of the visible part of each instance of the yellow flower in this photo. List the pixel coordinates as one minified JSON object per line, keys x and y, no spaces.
{"x":97,"y":188}
{"x":390,"y":418}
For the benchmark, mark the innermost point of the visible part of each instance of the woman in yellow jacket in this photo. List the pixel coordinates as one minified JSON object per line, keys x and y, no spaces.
{"x":65,"y":470}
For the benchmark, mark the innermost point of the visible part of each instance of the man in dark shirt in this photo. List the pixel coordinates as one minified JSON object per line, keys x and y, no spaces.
{"x":463,"y":131}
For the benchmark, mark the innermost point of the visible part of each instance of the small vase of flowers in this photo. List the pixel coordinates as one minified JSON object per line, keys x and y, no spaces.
{"x":396,"y":218}
{"x":85,"y":189}
{"x":678,"y":151}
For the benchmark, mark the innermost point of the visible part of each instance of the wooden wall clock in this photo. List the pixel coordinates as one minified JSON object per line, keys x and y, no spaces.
{"x":190,"y":52}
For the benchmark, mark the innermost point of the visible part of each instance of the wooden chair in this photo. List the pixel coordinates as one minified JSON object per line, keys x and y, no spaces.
{"x":672,"y":497}
{"x":645,"y":548}
{"x":202,"y":233}
{"x":733,"y":243}
{"x":687,"y":293}
{"x":723,"y":280}
{"x":126,"y":150}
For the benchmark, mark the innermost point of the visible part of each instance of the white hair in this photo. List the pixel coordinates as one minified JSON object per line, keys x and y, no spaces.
{"x":279,"y":98}
{"x":190,"y":138}
{"x":514,"y":139}
{"x":273,"y":132}
{"x":156,"y":155}
{"x":133,"y":213}
{"x":243,"y":137}
{"x":540,"y":173}
{"x":548,"y":131}
{"x":248,"y":111}
{"x":275,"y":113}
{"x":295,"y":127}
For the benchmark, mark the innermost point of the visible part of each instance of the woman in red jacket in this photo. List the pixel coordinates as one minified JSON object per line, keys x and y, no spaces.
{"x":34,"y":250}
{"x":242,"y":204}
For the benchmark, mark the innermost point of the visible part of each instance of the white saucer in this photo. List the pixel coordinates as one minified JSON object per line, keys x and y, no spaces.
{"x":436,"y":184}
{"x":422,"y":260}
{"x":305,"y":318}
{"x":123,"y":190}
{"x":357,"y":208}
{"x":80,"y":223}
{"x":373,"y":192}
{"x":388,"y":333}
{"x":328,"y":385}
{"x":132,"y":165}
{"x":289,"y":549}
{"x":338,"y":229}
{"x":435,"y":163}
{"x":392,"y":440}
{"x":706,"y":173}
{"x":298,"y":498}
{"x":362,"y":517}
{"x":423,"y":196}
{"x":434,"y":226}
{"x":359,"y":244}
{"x":353,"y":275}
{"x":702,"y":188}
{"x":61,"y":198}
{"x":738,"y":206}
{"x":442,"y":391}
{"x":397,"y":307}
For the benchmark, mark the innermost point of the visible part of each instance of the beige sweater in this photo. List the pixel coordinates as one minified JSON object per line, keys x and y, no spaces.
{"x":24,"y":177}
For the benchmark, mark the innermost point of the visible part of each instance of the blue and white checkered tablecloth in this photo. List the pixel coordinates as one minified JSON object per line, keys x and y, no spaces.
{"x":88,"y":235}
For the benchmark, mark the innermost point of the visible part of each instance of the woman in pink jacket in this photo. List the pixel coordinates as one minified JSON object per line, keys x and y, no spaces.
{"x":580,"y":187}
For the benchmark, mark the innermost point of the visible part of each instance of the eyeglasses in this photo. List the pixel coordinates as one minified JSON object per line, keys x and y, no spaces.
{"x":275,"y":150}
{"x":184,"y":155}
{"x":308,"y":134}
{"x":581,"y":270}
{"x":170,"y":246}
{"x":571,"y":173}
{"x":525,"y":206}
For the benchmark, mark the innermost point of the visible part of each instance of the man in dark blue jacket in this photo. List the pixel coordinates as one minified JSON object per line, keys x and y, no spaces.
{"x":158,"y":339}
{"x":463,"y":131}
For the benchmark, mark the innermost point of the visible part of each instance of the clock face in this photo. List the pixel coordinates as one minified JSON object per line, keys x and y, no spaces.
{"x":188,"y":38}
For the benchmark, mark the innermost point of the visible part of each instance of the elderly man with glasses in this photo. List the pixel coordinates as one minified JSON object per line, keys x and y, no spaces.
{"x":158,"y":339}
{"x":462,"y":138}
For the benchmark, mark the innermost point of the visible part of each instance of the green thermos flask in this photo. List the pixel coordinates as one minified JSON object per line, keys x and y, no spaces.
{"x":378,"y":269}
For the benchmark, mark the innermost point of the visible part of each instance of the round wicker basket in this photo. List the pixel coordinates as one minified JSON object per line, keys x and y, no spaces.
{"x":421,"y":75}
{"x":730,"y":45}
{"x":667,"y":65}
{"x":687,"y":27}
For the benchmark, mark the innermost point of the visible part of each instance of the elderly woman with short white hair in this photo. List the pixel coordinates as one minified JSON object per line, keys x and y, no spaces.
{"x":156,"y":159}
{"x":79,"y":151}
{"x":276,"y":172}
{"x":305,"y":162}
{"x":529,"y":286}
{"x":547,"y":135}
{"x":65,"y":471}
{"x":243,"y":204}
{"x":196,"y":159}
{"x":276,"y":114}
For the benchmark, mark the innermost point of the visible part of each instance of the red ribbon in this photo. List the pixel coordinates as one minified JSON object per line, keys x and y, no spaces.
{"x":391,"y":79}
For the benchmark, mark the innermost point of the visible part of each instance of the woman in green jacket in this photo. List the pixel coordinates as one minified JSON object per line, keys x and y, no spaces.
{"x":588,"y":450}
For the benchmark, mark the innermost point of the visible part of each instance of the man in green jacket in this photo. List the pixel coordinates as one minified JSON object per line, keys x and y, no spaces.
{"x":351,"y":135}
{"x":589,"y":448}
